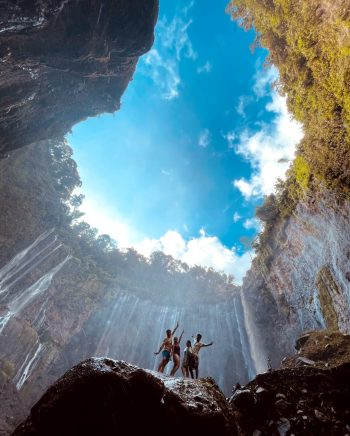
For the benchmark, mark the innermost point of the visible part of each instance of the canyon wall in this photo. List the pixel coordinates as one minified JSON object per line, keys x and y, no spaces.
{"x":299,"y":279}
{"x":303,"y":281}
{"x":63,"y":61}
{"x":48,"y":323}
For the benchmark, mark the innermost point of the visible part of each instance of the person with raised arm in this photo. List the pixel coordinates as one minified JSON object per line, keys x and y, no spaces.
{"x":176,"y":354}
{"x":167,"y":347}
{"x":194,"y":357}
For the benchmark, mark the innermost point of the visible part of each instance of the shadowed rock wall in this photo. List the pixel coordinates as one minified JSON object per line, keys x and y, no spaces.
{"x":63,"y":61}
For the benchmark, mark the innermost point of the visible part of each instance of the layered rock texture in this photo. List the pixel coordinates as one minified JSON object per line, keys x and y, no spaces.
{"x":308,"y":396}
{"x":63,"y":61}
{"x":302,"y":280}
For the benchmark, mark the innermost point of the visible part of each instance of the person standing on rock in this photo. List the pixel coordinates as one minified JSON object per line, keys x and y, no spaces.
{"x":167,"y":347}
{"x":194,"y":357}
{"x":176,"y":354}
{"x":186,"y":359}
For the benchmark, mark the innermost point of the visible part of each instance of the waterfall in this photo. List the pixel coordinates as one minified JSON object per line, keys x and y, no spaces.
{"x":22,"y":260}
{"x":132,"y":329}
{"x":257,"y":352}
{"x":19,"y":302}
{"x":27,"y":366}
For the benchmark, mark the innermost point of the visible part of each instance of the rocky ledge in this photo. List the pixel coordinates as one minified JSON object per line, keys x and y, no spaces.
{"x":63,"y":61}
{"x":310,"y":395}
{"x":107,"y":397}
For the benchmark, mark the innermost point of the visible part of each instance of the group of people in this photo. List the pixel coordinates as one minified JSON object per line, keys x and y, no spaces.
{"x":170,"y":348}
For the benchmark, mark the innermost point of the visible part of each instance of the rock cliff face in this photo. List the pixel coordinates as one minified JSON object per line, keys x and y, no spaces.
{"x":302,"y":281}
{"x":48,"y":323}
{"x":63,"y":61}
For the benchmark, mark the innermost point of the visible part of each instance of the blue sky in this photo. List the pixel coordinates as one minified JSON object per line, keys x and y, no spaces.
{"x":195,"y":146}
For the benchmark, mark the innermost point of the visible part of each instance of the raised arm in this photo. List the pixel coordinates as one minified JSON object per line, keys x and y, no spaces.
{"x":183,"y":331}
{"x":173,"y":332}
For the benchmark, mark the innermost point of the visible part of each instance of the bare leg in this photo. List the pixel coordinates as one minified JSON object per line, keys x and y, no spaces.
{"x":176,"y":365}
{"x":162,"y":365}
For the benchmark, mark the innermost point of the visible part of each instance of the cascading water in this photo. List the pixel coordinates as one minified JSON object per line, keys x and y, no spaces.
{"x":27,"y":367}
{"x":134,"y":329}
{"x":19,"y":293}
{"x":257,"y":352}
{"x":124,"y":327}
{"x":19,"y":302}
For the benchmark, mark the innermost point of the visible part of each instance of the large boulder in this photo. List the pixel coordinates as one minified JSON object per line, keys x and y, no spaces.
{"x":105,"y":397}
{"x":63,"y":61}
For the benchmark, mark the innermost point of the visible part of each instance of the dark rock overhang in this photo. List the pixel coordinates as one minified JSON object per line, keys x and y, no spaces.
{"x":62,"y":61}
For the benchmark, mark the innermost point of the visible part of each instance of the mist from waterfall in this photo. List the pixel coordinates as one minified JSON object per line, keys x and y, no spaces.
{"x":126,"y":326}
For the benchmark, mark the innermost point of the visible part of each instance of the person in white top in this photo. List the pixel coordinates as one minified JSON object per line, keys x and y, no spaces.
{"x":194,"y":359}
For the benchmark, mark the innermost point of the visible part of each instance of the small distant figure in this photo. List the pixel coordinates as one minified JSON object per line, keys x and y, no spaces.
{"x":176,"y":354}
{"x":167,"y":347}
{"x":269,"y":365}
{"x":186,"y":359}
{"x":194,"y":357}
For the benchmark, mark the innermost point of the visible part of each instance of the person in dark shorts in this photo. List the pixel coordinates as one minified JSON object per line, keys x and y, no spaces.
{"x":186,"y":359}
{"x":167,"y":347}
{"x":194,"y":357}
{"x":176,"y":354}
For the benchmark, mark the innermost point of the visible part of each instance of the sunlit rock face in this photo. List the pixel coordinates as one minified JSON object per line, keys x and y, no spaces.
{"x":48,"y":324}
{"x":63,"y":61}
{"x":303,"y":282}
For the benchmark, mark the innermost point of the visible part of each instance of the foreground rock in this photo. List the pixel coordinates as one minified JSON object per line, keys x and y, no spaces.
{"x":326,"y":349}
{"x":63,"y":61}
{"x":310,"y":395}
{"x":106,"y":397}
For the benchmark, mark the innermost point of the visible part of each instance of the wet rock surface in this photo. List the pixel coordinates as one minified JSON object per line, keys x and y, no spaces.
{"x":321,"y":349}
{"x":300,"y":398}
{"x":107,"y":397}
{"x":299,"y":401}
{"x":63,"y":61}
{"x":103,"y":396}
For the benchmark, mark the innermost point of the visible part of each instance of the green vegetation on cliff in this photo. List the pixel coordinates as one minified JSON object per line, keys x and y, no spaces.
{"x":37,"y":191}
{"x":309,"y":42}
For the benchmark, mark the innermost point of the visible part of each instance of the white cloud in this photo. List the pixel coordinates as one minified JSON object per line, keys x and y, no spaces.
{"x":236,"y":217}
{"x":204,"y":138}
{"x":242,"y":104}
{"x":206,"y":251}
{"x":264,"y":81}
{"x":205,"y":68}
{"x":164,"y":72}
{"x":98,"y":215}
{"x":230,"y":138}
{"x":270,"y":149}
{"x":161,"y":63}
{"x":252,"y":223}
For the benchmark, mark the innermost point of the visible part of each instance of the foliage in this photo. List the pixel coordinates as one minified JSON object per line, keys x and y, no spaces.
{"x":309,"y":42}
{"x":37,"y":191}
